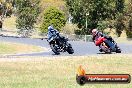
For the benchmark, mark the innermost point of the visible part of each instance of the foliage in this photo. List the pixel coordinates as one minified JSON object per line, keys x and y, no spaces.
{"x":128,"y":18}
{"x":102,"y":25}
{"x":59,"y":4}
{"x":69,"y":28}
{"x":119,"y":24}
{"x":6,"y":8}
{"x":78,"y":32}
{"x":120,"y":5}
{"x":129,"y":34}
{"x":27,"y":13}
{"x":129,"y":30}
{"x":53,"y":16}
{"x":99,"y":10}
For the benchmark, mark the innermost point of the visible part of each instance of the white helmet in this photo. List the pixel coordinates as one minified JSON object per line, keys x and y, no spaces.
{"x":50,"y":28}
{"x":94,"y":32}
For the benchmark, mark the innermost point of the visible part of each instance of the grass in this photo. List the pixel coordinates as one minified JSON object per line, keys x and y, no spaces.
{"x":55,"y":3}
{"x":16,"y":48}
{"x":123,"y":40}
{"x":10,"y":23}
{"x":60,"y":72}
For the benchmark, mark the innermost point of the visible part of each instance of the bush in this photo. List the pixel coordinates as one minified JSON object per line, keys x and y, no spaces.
{"x":129,"y":34}
{"x":102,"y":25}
{"x":53,"y":16}
{"x":70,"y":28}
{"x":129,"y":31}
{"x":78,"y":32}
{"x":27,"y":13}
{"x":119,"y":25}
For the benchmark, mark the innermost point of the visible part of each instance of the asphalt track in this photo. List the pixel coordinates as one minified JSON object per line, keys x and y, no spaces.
{"x":81,"y":48}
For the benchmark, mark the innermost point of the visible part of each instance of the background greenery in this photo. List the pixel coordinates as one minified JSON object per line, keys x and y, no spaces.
{"x":114,"y":14}
{"x":27,"y":13}
{"x":55,"y":17}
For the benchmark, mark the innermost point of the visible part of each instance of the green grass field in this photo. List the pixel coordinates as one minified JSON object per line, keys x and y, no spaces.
{"x":60,"y":72}
{"x":16,"y":48}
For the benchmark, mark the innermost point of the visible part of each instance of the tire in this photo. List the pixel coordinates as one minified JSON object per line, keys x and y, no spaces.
{"x":70,"y":49}
{"x":108,"y":52}
{"x":118,"y":50}
{"x":54,"y":49}
{"x":105,"y":50}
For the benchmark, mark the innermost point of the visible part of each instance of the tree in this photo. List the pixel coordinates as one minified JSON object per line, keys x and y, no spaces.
{"x":53,"y":16}
{"x":99,"y":10}
{"x":129,"y":19}
{"x":129,"y":30}
{"x":27,"y":13}
{"x":120,"y":6}
{"x":119,"y":24}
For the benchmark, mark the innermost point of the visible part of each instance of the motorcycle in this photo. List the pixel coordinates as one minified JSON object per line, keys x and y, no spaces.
{"x":60,"y":44}
{"x":108,"y":46}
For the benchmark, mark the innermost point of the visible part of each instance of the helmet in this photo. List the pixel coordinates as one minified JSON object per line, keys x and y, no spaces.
{"x":94,"y":32}
{"x":50,"y":28}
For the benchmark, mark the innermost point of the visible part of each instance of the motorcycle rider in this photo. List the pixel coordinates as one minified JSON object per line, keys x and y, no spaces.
{"x":96,"y":35}
{"x":52,"y":33}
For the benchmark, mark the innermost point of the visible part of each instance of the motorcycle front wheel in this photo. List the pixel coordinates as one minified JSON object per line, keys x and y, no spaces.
{"x":55,"y":49}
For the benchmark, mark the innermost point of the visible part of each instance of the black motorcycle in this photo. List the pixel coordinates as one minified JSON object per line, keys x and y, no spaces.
{"x":60,"y":44}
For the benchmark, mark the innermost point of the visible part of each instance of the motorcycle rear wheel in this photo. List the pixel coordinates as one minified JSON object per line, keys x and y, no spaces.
{"x":70,"y":49}
{"x":118,"y":50}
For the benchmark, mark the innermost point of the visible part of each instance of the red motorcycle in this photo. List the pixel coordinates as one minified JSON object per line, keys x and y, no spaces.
{"x":107,"y":46}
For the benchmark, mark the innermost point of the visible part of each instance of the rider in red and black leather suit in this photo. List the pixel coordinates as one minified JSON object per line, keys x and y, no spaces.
{"x":99,"y":37}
